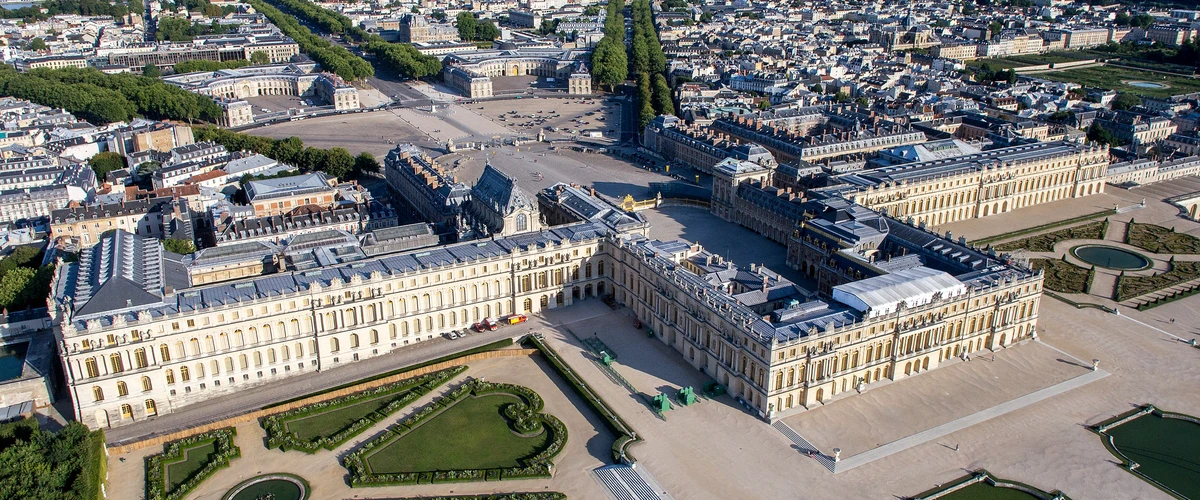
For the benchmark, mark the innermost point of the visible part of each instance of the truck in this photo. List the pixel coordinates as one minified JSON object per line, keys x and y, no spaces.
{"x":487,"y":325}
{"x":514,"y":319}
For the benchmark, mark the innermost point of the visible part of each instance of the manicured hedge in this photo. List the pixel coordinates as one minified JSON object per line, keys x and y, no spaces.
{"x":625,"y":434}
{"x":1158,"y":239}
{"x":175,"y":451}
{"x":278,"y":435}
{"x":1045,"y":242}
{"x":1043,"y":227}
{"x":1129,"y":287}
{"x":1062,"y":276}
{"x":536,"y":466}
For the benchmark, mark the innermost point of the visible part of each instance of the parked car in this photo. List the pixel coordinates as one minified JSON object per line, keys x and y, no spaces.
{"x":487,"y":325}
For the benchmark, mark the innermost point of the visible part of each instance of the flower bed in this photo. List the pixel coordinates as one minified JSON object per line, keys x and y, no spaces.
{"x":405,"y":392}
{"x":528,"y":408}
{"x":1158,"y":239}
{"x":1129,"y":287}
{"x":1062,"y":276}
{"x":176,"y":452}
{"x":1045,"y":242}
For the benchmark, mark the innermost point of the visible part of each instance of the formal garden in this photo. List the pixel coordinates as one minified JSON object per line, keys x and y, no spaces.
{"x":329,"y":424}
{"x":1158,"y":446}
{"x":1130,"y":286}
{"x":982,"y":485}
{"x":1158,"y":239}
{"x":187,"y":462}
{"x":1063,"y":276}
{"x":480,"y":431}
{"x":1045,"y":242}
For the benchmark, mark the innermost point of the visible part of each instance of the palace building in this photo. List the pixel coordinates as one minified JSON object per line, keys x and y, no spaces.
{"x":138,"y":337}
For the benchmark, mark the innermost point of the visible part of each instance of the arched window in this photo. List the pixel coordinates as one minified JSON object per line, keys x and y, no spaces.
{"x":151,"y":408}
{"x":146,"y":385}
{"x":126,"y":411}
{"x":209,"y":344}
{"x":353,"y":340}
{"x":93,"y":369}
{"x":118,"y":365}
{"x":199,"y":370}
{"x":215,"y":367}
{"x":243,"y":361}
{"x":179,"y":352}
{"x":286,"y":353}
{"x":170,"y":376}
{"x":97,"y":393}
{"x":522,"y":222}
{"x":224,"y":340}
{"x":334,"y":345}
{"x":185,"y":374}
{"x":139,"y":357}
{"x":228,"y":364}
{"x":164,"y":353}
{"x":194,"y":345}
{"x":374,"y":337}
{"x":271,"y":356}
{"x":122,"y":389}
{"x":257,"y":358}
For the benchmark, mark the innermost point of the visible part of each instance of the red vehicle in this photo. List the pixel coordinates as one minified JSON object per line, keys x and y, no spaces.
{"x":514,"y":319}
{"x":487,"y":325}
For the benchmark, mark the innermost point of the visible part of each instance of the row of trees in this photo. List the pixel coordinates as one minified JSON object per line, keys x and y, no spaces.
{"x":102,"y":98}
{"x":81,"y":7}
{"x":178,"y":29}
{"x":35,"y":463}
{"x":400,"y":57}
{"x":333,"y":58}
{"x":336,"y":162}
{"x":649,"y":64}
{"x":194,"y":65}
{"x":610,"y":64}
{"x":471,"y":28}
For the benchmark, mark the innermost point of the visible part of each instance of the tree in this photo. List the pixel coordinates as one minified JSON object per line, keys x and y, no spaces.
{"x":151,"y":71}
{"x":415,"y":10}
{"x":1101,"y":135}
{"x":662,"y":96}
{"x":610,"y":66}
{"x":103,"y":163}
{"x":211,"y":10}
{"x":365,"y":162}
{"x":148,"y":168}
{"x":37,"y":44}
{"x":995,"y":27}
{"x":706,"y":17}
{"x":260,"y":58}
{"x":487,"y":31}
{"x":1122,"y":19}
{"x":338,"y":163}
{"x":841,"y":97}
{"x":467,"y":24}
{"x":440,"y":16}
{"x":1126,"y":101}
{"x":181,"y":247}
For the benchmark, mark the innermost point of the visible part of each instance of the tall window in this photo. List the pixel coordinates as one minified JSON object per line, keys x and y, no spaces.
{"x":164,"y":353}
{"x":146,"y":385}
{"x":93,"y":369}
{"x":170,"y":376}
{"x":122,"y":389}
{"x":118,"y":365}
{"x":97,"y":393}
{"x":139,"y":357}
{"x":185,"y":374}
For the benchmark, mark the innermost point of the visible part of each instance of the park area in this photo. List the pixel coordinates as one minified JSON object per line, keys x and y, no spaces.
{"x":1031,"y":60}
{"x":1161,"y":447}
{"x":1127,"y":80}
{"x":981,"y":485}
{"x":187,"y":462}
{"x":473,"y":433}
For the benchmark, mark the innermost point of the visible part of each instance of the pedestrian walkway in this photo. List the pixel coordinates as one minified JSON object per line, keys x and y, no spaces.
{"x":629,"y":483}
{"x":947,"y":428}
{"x":804,"y":445}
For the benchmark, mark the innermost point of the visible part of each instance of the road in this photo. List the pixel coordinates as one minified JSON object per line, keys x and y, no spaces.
{"x":270,"y":392}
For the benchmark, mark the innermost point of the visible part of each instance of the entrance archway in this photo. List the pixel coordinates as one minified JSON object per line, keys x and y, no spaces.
{"x":575,"y":293}
{"x":821,"y":395}
{"x":516,"y":70}
{"x":528,"y":305}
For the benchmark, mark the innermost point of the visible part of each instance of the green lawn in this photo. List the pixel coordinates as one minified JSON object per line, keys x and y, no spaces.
{"x":472,"y":434}
{"x":194,"y":459}
{"x":1110,"y":77}
{"x":328,"y":423}
{"x":984,"y":491}
{"x":1167,"y":450}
